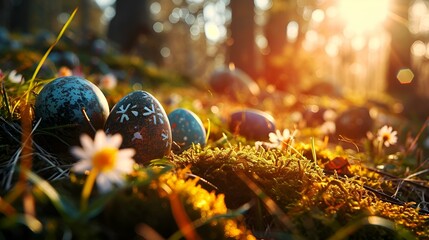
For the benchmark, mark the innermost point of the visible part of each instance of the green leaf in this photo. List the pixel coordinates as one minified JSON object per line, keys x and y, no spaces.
{"x":96,"y":206}
{"x":31,"y":222}
{"x":66,"y":210}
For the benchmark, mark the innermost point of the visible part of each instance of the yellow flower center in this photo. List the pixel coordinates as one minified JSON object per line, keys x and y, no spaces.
{"x":105,"y":159}
{"x":386,"y":137}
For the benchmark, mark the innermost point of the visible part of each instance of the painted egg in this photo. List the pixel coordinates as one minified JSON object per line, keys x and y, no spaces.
{"x":235,"y":83}
{"x":62,"y":101}
{"x":354,"y":123}
{"x":313,"y":115}
{"x":186,"y":129}
{"x":252,"y":124}
{"x":143,"y":124}
{"x":65,"y":59}
{"x":61,"y":107}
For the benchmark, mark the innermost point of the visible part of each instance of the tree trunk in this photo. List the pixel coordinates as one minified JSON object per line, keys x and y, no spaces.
{"x":242,"y":52}
{"x":401,"y":41}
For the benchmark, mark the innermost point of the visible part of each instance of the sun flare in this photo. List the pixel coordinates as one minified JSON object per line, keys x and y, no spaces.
{"x":364,"y":15}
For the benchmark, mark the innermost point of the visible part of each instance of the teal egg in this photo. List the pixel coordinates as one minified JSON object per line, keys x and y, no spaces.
{"x":186,"y":128}
{"x":65,"y":108}
{"x":61,"y":102}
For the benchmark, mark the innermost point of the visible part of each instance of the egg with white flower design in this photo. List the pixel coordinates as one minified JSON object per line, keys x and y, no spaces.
{"x":143,"y":124}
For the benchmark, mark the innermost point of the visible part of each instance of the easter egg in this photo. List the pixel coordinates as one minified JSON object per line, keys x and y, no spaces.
{"x":65,"y":59}
{"x":354,"y":123}
{"x":186,"y":129}
{"x":252,"y":124}
{"x":67,"y":107}
{"x":4,"y":35}
{"x":143,"y":124}
{"x":234,"y":83}
{"x":62,"y":101}
{"x":4,"y":39}
{"x":313,"y":115}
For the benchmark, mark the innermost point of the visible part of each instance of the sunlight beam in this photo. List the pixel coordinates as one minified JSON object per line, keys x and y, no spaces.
{"x":364,"y":15}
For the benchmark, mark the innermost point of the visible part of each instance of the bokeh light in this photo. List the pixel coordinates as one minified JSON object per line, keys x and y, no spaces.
{"x":105,"y":3}
{"x":318,"y":15}
{"x":263,"y":5}
{"x":292,"y":31}
{"x":261,"y":41}
{"x":165,"y":52}
{"x":418,"y":16}
{"x":405,"y":76}
{"x":158,"y":27}
{"x":155,"y":8}
{"x":418,"y":48}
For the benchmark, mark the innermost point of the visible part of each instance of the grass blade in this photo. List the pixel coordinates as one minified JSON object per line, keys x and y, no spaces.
{"x":31,"y":222}
{"x":66,"y":210}
{"x":345,"y":232}
{"x":63,"y":29}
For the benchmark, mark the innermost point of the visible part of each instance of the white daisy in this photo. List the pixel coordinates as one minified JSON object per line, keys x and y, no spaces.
{"x":282,"y":139}
{"x":104,"y":158}
{"x":15,"y":77}
{"x":387,"y":136}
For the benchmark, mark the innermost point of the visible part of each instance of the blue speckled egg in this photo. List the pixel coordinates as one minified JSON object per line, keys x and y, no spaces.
{"x":252,"y":124}
{"x":143,"y":124}
{"x":61,"y":101}
{"x":186,"y":128}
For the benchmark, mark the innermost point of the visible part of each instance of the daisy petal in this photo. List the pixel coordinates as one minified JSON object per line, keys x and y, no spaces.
{"x":115,"y":177}
{"x":87,"y":143}
{"x":114,"y":140}
{"x":103,"y":183}
{"x":82,"y":166}
{"x":125,"y":165}
{"x":99,"y":140}
{"x":78,"y":152}
{"x":273,"y":137}
{"x":126,"y":153}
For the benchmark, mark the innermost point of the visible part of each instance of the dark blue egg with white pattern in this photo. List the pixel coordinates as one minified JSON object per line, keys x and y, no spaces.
{"x":66,"y":101}
{"x":186,"y":128}
{"x":143,"y":124}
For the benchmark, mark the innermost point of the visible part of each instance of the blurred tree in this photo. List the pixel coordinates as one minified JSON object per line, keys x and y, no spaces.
{"x":400,"y":58}
{"x":284,"y":64}
{"x":242,"y":51}
{"x":14,"y":15}
{"x":131,"y":21}
{"x":401,"y":41}
{"x":277,"y":72}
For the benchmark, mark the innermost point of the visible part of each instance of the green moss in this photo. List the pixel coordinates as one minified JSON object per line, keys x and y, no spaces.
{"x":159,"y":206}
{"x":319,"y":205}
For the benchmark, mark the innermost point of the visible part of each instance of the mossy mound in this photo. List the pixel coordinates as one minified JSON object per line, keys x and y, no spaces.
{"x":167,"y":205}
{"x":157,"y":203}
{"x":316,"y":205}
